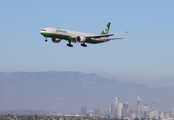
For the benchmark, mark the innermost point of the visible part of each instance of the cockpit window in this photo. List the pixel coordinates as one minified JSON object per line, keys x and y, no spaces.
{"x":43,"y":30}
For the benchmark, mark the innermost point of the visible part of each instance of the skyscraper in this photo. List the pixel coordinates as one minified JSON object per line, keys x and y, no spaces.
{"x":138,"y":106}
{"x":83,"y":110}
{"x":146,"y":108}
{"x":154,"y":114}
{"x":117,"y":101}
{"x":111,"y":111}
{"x":127,"y":105}
{"x":119,"y":109}
{"x":96,"y":112}
{"x":151,"y":106}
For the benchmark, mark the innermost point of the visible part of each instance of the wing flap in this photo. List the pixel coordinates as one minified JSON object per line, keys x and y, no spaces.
{"x":113,"y":39}
{"x":99,"y":36}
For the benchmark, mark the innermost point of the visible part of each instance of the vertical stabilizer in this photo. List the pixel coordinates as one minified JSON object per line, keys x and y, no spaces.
{"x":106,"y":29}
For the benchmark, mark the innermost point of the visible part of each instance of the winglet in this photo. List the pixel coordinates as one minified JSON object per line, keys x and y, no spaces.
{"x":106,"y":29}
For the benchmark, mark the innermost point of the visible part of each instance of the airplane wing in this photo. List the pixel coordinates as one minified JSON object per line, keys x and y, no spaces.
{"x":108,"y":39}
{"x":99,"y":36}
{"x":105,"y":35}
{"x":114,"y":38}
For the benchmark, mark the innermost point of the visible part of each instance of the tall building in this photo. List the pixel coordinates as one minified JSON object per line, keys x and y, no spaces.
{"x":112,"y":111}
{"x":143,"y":114}
{"x":83,"y":110}
{"x":146,"y":108}
{"x":117,"y":101}
{"x":162,"y":115}
{"x":107,"y":112}
{"x":151,"y":106}
{"x":124,"y":113}
{"x":127,"y":105}
{"x":138,"y":106}
{"x":119,"y":109}
{"x":90,"y":113}
{"x":96,"y":112}
{"x":154,"y":114}
{"x":134,"y":115}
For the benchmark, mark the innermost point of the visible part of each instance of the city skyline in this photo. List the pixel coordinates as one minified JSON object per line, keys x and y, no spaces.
{"x":74,"y":88}
{"x":125,"y":110}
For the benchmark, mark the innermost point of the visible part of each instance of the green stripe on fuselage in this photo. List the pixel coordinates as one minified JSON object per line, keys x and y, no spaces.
{"x":65,"y":37}
{"x":69,"y":38}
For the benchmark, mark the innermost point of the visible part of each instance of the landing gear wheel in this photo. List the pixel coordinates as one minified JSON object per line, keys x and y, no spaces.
{"x":46,"y":39}
{"x":69,"y":45}
{"x":84,"y":45}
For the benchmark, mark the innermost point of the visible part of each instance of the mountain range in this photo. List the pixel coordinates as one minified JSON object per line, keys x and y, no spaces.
{"x":163,"y":82}
{"x":68,"y":91}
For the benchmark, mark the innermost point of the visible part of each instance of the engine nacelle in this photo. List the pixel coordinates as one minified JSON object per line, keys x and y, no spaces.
{"x":55,"y":40}
{"x":80,"y":39}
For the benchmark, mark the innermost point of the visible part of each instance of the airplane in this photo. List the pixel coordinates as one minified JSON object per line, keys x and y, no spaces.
{"x":57,"y":34}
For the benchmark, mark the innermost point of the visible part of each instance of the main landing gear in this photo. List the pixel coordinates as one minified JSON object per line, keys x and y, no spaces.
{"x":69,"y":44}
{"x":84,"y":45}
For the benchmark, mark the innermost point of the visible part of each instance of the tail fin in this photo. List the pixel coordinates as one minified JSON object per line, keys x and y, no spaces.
{"x":106,"y":29}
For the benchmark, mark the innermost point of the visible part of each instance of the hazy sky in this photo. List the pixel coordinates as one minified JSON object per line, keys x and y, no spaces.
{"x":147,"y":52}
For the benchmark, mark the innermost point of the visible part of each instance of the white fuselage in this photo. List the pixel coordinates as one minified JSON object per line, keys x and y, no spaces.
{"x":57,"y":34}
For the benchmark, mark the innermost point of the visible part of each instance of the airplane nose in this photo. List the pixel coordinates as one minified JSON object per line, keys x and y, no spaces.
{"x":42,"y":32}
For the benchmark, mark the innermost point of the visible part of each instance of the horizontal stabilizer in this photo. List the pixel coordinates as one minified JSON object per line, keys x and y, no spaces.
{"x":121,"y":32}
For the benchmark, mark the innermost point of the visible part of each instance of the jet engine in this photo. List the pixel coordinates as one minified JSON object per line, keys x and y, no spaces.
{"x":80,"y":39}
{"x":55,"y":40}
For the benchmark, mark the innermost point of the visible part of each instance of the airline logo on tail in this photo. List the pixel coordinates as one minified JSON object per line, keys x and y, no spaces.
{"x":106,"y":29}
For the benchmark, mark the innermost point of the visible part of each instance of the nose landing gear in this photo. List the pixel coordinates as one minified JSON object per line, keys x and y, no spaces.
{"x":46,"y":39}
